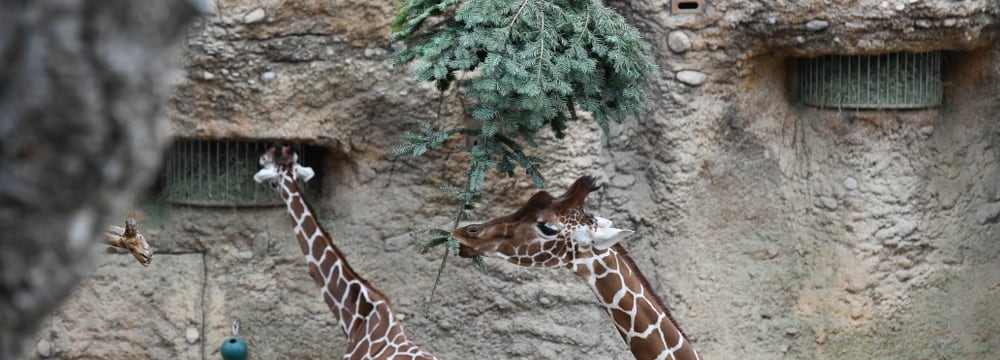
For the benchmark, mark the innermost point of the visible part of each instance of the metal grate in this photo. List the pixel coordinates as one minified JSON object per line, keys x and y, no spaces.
{"x":888,"y":81}
{"x":217,"y":173}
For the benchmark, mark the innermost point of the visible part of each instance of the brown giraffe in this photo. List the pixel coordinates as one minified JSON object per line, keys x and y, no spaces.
{"x":557,"y":233}
{"x":363,"y":312}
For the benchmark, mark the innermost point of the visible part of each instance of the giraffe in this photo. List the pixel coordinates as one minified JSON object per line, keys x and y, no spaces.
{"x":130,"y":239}
{"x":556,"y":232}
{"x":364,"y":313}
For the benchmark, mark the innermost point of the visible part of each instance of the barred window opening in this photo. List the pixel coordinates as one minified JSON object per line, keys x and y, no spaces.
{"x":888,"y":81}
{"x":220,"y":173}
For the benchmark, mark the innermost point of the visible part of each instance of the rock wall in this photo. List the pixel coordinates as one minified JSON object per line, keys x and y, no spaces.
{"x":772,"y":229}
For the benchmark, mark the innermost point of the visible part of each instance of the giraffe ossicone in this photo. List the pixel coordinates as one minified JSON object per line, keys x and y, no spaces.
{"x":556,"y":232}
{"x":364,"y":313}
{"x":269,"y":169}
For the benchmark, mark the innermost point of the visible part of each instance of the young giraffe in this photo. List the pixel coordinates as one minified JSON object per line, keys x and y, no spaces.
{"x":557,"y":233}
{"x":363,"y":312}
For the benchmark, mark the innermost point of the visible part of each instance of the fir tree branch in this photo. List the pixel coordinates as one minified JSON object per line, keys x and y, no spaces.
{"x":452,"y":248}
{"x":517,"y":16}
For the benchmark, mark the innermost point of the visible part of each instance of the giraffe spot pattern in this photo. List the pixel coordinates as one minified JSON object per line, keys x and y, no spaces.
{"x":363,"y":313}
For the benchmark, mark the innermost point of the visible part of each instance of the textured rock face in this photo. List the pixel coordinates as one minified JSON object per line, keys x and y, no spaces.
{"x":82,"y":88}
{"x":773,"y":230}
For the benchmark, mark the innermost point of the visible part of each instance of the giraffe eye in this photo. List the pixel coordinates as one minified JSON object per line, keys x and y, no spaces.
{"x":546,"y":230}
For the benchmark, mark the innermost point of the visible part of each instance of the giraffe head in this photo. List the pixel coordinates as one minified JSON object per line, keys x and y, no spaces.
{"x":547,"y":231}
{"x":280,"y":160}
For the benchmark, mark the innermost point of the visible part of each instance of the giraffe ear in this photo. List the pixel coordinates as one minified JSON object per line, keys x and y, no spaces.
{"x":608,"y":237}
{"x":267,"y":173}
{"x":303,"y":172}
{"x":601,"y":238}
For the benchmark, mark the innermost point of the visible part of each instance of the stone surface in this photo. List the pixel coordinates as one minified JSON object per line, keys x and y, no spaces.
{"x":817,"y":25}
{"x":828,"y":202}
{"x":988,"y":214}
{"x":721,"y":184}
{"x":254,"y":16}
{"x":678,"y":41}
{"x":107,"y":318}
{"x":191,"y":335}
{"x":399,"y":242}
{"x":268,"y":76}
{"x":851,"y":183}
{"x":43,"y":348}
{"x":84,"y":85}
{"x":691,"y":77}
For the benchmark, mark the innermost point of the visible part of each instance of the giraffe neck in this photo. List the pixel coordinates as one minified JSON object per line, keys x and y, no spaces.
{"x":363,"y":312}
{"x":641,"y":318}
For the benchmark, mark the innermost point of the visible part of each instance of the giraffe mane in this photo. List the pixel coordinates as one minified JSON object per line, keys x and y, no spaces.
{"x":623,"y":253}
{"x":574,"y":197}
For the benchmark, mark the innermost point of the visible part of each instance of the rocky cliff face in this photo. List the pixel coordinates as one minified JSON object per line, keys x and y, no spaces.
{"x":82,"y":89}
{"x":773,"y":230}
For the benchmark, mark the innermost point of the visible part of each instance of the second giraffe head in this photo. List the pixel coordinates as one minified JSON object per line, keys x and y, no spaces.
{"x":545,"y":232}
{"x":281,"y":160}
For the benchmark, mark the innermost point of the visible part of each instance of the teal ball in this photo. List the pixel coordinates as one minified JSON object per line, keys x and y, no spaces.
{"x":234,"y":349}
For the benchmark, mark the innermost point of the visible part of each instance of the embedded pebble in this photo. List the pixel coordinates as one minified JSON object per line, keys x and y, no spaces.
{"x":254,"y":16}
{"x":904,"y":275}
{"x":247,"y":254}
{"x":622,"y":181}
{"x":207,"y":75}
{"x":893,"y":242}
{"x":44,"y":348}
{"x":949,"y":22}
{"x":691,"y":77}
{"x":678,"y":42}
{"x":905,"y":227}
{"x":268,"y":76}
{"x":829,"y":203}
{"x":191,"y":335}
{"x":771,"y":252}
{"x":903,"y":262}
{"x":923,"y":23}
{"x":850,"y":183}
{"x":927,"y":130}
{"x":260,"y":244}
{"x":397,"y":243}
{"x":817,"y":25}
{"x":988,"y":213}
